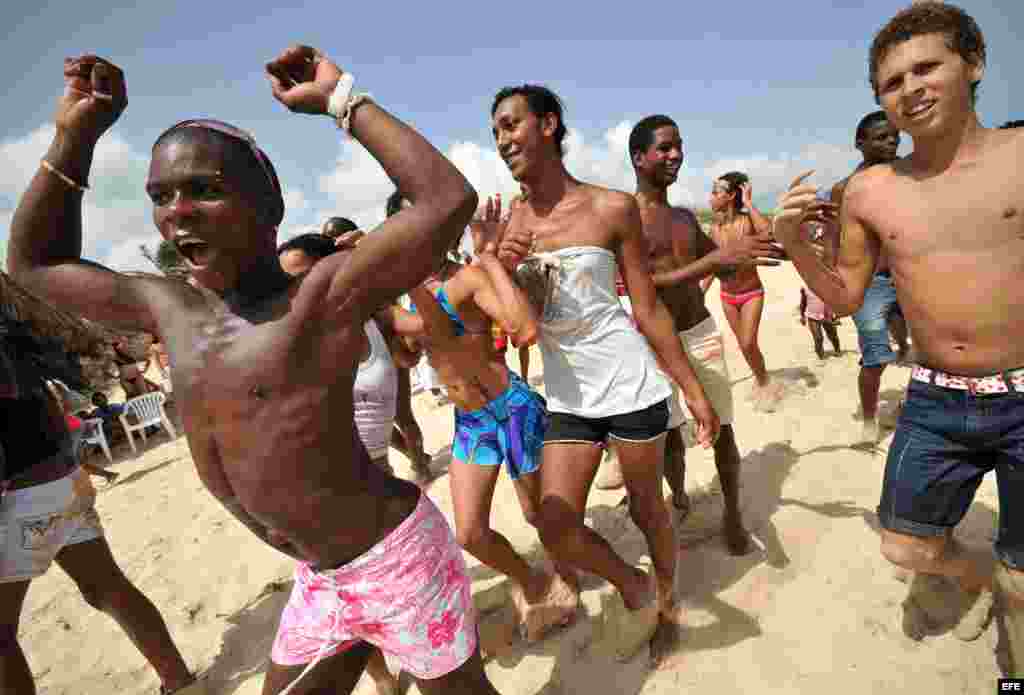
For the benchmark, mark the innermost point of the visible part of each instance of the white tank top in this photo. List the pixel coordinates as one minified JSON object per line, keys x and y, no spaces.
{"x":596,"y":363}
{"x":375,"y":394}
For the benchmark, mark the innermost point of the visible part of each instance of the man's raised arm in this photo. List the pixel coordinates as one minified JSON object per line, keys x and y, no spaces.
{"x":45,"y":247}
{"x":759,"y":250}
{"x":841,"y":287}
{"x":410,"y":243}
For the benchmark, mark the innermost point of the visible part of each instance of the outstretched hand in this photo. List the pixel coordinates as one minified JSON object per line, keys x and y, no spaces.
{"x":302,"y":78}
{"x":799,"y":205}
{"x":94,"y":97}
{"x":754,"y":249}
{"x":488,"y":226}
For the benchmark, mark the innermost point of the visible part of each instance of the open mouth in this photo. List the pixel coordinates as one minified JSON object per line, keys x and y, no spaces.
{"x":921,"y":109}
{"x":198,"y":253}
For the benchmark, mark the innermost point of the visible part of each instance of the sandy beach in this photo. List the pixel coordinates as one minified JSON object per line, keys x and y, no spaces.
{"x":817,"y":610}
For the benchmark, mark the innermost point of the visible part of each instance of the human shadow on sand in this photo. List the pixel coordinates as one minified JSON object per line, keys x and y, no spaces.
{"x":704,"y":570}
{"x":136,"y":476}
{"x":245,"y":646}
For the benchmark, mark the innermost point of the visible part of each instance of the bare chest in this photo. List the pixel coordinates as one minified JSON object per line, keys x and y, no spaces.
{"x":967,"y":213}
{"x":568,"y":226}
{"x":671,"y":240}
{"x":726,"y":233}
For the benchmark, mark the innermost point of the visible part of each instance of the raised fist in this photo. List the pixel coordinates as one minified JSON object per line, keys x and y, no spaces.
{"x":302,"y":79}
{"x":94,"y":97}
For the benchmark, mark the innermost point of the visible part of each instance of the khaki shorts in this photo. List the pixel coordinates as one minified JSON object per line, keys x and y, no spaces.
{"x":36,"y":522}
{"x":705,"y":347}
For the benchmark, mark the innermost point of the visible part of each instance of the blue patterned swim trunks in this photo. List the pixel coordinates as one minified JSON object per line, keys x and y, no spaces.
{"x":510,"y":428}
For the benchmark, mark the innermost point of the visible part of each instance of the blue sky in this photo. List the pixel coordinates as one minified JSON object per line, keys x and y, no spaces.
{"x":770,"y":88}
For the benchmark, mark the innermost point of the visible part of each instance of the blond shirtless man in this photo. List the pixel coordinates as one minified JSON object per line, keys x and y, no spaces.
{"x":601,"y":373}
{"x":263,"y":364}
{"x":950,"y":218}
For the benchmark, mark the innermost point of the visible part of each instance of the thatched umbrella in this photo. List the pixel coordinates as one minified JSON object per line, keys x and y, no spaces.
{"x":88,"y":339}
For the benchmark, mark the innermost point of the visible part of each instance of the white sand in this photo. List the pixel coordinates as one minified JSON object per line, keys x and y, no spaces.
{"x":817,"y":611}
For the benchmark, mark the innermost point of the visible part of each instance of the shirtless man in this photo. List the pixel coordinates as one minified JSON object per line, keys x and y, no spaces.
{"x":878,"y":140}
{"x":264,"y":364}
{"x":680,"y":256}
{"x":950,"y":219}
{"x":47,"y":515}
{"x":743,"y":297}
{"x":601,"y":375}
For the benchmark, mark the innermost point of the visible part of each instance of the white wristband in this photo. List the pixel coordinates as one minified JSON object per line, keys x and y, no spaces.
{"x":345,"y":121}
{"x":338,"y":102}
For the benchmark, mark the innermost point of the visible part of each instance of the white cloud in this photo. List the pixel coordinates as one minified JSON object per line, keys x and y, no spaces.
{"x":115,"y":212}
{"x":294,"y":202}
{"x":117,"y":215}
{"x":357,"y":185}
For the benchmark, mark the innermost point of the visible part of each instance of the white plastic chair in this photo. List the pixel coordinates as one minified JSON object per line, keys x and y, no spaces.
{"x":148,"y":410}
{"x":92,"y":433}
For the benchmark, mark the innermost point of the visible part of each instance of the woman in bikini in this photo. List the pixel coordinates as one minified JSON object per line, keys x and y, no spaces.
{"x":735,"y":216}
{"x":499,"y":420}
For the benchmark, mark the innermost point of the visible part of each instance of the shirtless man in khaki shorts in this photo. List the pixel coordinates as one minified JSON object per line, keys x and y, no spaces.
{"x":680,"y":256}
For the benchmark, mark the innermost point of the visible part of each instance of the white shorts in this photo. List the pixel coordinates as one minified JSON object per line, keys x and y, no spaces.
{"x":36,"y":522}
{"x":705,"y":347}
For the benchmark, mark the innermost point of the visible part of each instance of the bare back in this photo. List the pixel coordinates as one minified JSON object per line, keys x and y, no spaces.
{"x":472,"y":372}
{"x":955,"y":244}
{"x":675,"y":240}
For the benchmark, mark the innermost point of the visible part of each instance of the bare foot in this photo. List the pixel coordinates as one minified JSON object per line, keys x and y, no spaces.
{"x":737,"y":539}
{"x":554,"y":606}
{"x":627,"y":630}
{"x":768,"y":398}
{"x":666,"y":641}
{"x":977,"y":617}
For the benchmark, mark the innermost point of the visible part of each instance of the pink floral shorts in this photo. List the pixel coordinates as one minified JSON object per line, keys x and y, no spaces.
{"x":408,"y":595}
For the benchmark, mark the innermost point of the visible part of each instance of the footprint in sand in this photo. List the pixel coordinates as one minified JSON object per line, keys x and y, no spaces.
{"x":768,"y":399}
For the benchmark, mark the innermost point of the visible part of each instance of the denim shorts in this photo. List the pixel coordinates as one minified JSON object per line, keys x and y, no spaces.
{"x":945,"y":443}
{"x":872,"y":326}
